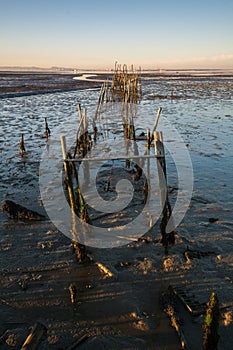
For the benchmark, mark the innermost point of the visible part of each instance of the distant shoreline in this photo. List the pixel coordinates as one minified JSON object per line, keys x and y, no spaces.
{"x":71,"y":71}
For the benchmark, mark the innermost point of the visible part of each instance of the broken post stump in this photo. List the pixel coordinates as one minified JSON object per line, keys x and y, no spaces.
{"x":73,"y":293}
{"x":22,"y":146}
{"x":18,"y":212}
{"x":211,"y":324}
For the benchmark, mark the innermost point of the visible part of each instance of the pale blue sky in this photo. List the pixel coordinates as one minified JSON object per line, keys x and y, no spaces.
{"x":92,"y":33}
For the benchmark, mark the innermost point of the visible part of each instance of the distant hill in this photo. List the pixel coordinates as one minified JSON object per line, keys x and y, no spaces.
{"x":36,"y":69}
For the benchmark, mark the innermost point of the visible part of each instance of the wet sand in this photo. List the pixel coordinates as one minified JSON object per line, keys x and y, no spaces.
{"x":26,"y":84}
{"x":124,"y":311}
{"x":121,"y":311}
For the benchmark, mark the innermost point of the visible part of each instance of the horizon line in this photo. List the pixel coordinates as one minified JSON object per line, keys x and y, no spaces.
{"x":92,"y":68}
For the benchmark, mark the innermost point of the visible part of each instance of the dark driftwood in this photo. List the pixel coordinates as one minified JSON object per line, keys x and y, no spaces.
{"x":17,"y":211}
{"x":77,"y":342}
{"x":34,"y":338}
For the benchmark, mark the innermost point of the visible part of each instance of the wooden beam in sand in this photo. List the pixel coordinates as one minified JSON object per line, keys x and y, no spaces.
{"x":34,"y":338}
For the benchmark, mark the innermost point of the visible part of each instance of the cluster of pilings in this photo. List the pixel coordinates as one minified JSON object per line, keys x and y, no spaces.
{"x":125,"y":85}
{"x":154,"y":139}
{"x":121,"y":79}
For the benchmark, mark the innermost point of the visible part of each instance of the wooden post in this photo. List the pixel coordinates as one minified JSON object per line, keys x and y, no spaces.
{"x":211,"y":324}
{"x":68,"y":175}
{"x":84,"y":213}
{"x":167,"y":238}
{"x":159,"y":149}
{"x":95,"y":133}
{"x":80,"y":130}
{"x":100,"y":101}
{"x":22,"y":146}
{"x":47,"y":130}
{"x":79,"y":248}
{"x":79,"y":111}
{"x":73,"y":167}
{"x":148,"y":173}
{"x":148,"y":138}
{"x":132,"y":127}
{"x":63,"y":146}
{"x":156,"y":123}
{"x":157,"y":119}
{"x":85,"y":122}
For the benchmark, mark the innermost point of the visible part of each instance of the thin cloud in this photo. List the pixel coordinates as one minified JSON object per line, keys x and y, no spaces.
{"x":214,"y":61}
{"x":222,"y":57}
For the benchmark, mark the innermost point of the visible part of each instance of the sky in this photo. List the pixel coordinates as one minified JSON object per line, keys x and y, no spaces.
{"x":165,"y":34}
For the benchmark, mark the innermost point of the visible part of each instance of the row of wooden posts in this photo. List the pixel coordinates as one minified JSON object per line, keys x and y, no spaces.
{"x":125,"y":88}
{"x":84,"y":143}
{"x":211,"y":323}
{"x":122,"y":79}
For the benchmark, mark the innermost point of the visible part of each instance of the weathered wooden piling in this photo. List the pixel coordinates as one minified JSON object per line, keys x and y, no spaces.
{"x":47,"y":130}
{"x":167,"y":237}
{"x":148,"y":138}
{"x":211,"y":324}
{"x":80,"y":131}
{"x":95,"y":132}
{"x":155,"y":123}
{"x":22,"y":146}
{"x":68,"y":174}
{"x":156,"y":119}
{"x":83,"y":208}
{"x":100,"y":101}
{"x":132,"y":127}
{"x":79,"y":248}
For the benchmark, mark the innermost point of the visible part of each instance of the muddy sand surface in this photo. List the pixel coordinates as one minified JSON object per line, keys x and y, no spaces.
{"x":26,"y":84}
{"x":120,"y":302}
{"x":118,"y":312}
